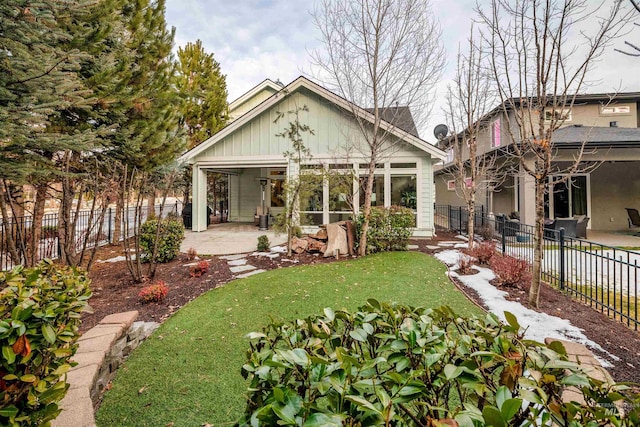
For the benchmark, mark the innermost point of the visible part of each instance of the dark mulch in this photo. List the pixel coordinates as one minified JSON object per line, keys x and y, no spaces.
{"x":114,"y":291}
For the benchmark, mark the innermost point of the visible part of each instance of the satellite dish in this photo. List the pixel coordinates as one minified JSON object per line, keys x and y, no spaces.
{"x":440,"y":131}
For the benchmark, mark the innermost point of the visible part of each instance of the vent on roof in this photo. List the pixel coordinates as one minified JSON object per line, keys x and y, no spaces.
{"x":613,"y":124}
{"x":577,"y":125}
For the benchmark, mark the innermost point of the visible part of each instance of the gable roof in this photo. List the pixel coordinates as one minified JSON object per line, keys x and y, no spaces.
{"x":265,"y":84}
{"x":303,"y":82}
{"x":399,"y":116}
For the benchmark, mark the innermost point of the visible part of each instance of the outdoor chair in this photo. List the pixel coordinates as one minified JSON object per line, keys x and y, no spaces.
{"x":507,"y":226}
{"x":634,"y":218}
{"x":569,"y":225}
{"x":581,"y":226}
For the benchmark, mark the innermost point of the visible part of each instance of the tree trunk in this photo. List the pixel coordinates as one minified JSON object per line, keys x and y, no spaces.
{"x":538,"y":241}
{"x":471,"y":207}
{"x":151,"y":204}
{"x":8,"y":227}
{"x":362,"y":245}
{"x":36,"y":226}
{"x":117,"y":221}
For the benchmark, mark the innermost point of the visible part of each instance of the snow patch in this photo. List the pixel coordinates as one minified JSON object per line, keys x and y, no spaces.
{"x":537,"y":326}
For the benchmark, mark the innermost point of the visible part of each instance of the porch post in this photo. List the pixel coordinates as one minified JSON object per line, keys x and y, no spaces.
{"x":527,"y":199}
{"x":199,"y":199}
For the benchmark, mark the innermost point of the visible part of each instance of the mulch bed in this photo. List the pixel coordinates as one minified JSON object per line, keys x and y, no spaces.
{"x":114,"y":291}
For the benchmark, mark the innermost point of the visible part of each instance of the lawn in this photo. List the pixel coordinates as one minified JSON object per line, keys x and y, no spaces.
{"x":188,"y":372}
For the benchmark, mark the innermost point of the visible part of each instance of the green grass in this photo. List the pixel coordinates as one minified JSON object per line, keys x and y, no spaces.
{"x":188,"y":372}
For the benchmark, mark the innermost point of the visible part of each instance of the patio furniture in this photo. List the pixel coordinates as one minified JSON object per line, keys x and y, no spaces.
{"x":634,"y":218}
{"x":569,"y":225}
{"x":581,"y":226}
{"x":507,"y":226}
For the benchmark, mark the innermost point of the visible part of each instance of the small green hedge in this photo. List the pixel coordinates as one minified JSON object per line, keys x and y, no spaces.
{"x":171,"y":234}
{"x":389,"y":229}
{"x":397,"y":365}
{"x":40,"y":311}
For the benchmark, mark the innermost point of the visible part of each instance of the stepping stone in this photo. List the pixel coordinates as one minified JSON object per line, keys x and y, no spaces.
{"x":233,"y":257}
{"x":413,"y":247}
{"x":271,"y":255}
{"x":433,"y":247}
{"x":241,"y":268}
{"x":446,"y":244}
{"x":451,"y":242}
{"x":241,"y":261}
{"x":279,"y":249}
{"x":251,"y":273}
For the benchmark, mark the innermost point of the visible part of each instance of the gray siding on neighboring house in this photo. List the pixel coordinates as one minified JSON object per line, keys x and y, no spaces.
{"x":614,"y":187}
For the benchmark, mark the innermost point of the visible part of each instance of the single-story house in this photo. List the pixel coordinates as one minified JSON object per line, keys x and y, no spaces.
{"x":250,"y":151}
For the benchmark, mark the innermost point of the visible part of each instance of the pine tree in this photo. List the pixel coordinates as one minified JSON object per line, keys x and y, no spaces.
{"x":203,"y":89}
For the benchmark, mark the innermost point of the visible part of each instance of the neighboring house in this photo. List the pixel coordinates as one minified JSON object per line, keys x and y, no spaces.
{"x":608,"y":125}
{"x":248,"y":150}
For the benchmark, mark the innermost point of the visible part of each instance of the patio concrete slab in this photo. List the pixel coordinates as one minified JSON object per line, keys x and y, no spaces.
{"x":228,"y":239}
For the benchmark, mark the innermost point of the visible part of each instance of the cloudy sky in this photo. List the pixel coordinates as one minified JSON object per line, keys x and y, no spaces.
{"x":257,"y":39}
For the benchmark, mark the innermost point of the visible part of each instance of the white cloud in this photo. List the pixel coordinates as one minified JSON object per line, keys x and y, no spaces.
{"x":258,"y":39}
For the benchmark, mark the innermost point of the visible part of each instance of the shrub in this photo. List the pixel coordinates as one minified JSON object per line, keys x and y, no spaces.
{"x":389,"y":229}
{"x":397,"y":365}
{"x":486,"y":232}
{"x":154,"y":292}
{"x":483,"y":252}
{"x":263,"y":243}
{"x":465,"y":264}
{"x":40,"y":315}
{"x":171,"y":234}
{"x":510,"y":271}
{"x":192,"y":254}
{"x":200,"y":268}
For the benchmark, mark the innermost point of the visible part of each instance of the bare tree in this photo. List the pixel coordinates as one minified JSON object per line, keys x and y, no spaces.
{"x":635,"y":48}
{"x":541,"y":55}
{"x":468,"y":101}
{"x":378,"y":54}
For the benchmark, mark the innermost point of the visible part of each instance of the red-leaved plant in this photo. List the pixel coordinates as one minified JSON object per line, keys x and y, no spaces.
{"x":154,"y":292}
{"x":200,"y":268}
{"x":465,"y":264}
{"x":483,"y":252}
{"x":192,"y":254}
{"x":510,"y":271}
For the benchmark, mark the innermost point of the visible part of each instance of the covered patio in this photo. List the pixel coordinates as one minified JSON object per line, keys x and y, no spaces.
{"x":229,"y":239}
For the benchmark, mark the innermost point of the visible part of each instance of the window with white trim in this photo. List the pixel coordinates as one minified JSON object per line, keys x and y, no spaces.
{"x":606,"y":110}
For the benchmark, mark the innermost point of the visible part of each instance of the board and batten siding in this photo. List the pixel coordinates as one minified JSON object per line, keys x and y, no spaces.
{"x":331,"y":128}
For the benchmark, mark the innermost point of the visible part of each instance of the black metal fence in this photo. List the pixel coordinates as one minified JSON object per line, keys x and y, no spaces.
{"x":87,"y":229}
{"x":605,"y":277}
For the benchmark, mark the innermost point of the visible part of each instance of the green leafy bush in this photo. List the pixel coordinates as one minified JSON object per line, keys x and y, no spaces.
{"x":263,"y":243}
{"x":169,"y":238}
{"x":397,"y":365}
{"x":40,"y":316}
{"x":389,"y":229}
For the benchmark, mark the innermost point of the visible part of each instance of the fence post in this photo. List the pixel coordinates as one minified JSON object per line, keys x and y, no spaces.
{"x":503,"y":238}
{"x":561,"y":251}
{"x":109,"y":226}
{"x":449,"y":218}
{"x":482,"y":215}
{"x":460,"y":220}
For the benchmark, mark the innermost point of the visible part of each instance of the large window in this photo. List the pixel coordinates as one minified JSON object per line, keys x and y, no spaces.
{"x":568,"y":197}
{"x":311,"y":199}
{"x":403,"y":192}
{"x":340,"y":196}
{"x":377,"y":196}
